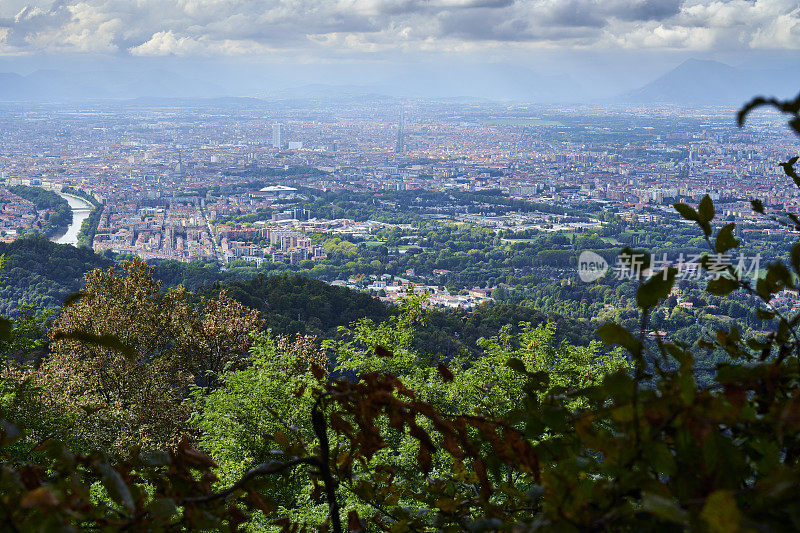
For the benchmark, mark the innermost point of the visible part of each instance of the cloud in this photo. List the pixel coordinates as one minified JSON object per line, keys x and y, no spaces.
{"x":164,"y":43}
{"x":311,"y":27}
{"x":782,"y":32}
{"x":658,"y":36}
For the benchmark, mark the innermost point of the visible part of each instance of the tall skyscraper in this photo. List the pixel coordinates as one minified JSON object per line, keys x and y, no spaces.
{"x":277,"y":135}
{"x":179,"y":168}
{"x":401,"y":133}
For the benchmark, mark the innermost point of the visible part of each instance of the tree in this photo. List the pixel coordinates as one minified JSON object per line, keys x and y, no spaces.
{"x":261,"y":409}
{"x":251,"y":403}
{"x":28,"y":334}
{"x":499,"y":293}
{"x":125,"y":353}
{"x":220,"y":332}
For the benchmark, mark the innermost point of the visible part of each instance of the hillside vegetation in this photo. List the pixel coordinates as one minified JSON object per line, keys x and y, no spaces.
{"x":43,"y":273}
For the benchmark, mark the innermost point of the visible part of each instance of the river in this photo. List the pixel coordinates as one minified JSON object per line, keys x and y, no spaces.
{"x":80,"y":212}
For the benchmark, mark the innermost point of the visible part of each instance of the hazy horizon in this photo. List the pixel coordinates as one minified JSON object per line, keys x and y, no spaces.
{"x":579,"y":50}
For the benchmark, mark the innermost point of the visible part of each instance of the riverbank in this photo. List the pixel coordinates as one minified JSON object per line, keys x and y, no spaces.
{"x":81,"y":209}
{"x":52,"y":212}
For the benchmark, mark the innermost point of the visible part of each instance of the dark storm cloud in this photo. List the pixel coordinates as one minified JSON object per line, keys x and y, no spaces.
{"x":573,"y":13}
{"x":649,"y":10}
{"x":421,"y":6}
{"x":481,"y":25}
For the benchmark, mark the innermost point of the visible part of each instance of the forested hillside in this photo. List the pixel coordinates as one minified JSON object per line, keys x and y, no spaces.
{"x":296,"y":304}
{"x":293,"y":304}
{"x":43,"y":273}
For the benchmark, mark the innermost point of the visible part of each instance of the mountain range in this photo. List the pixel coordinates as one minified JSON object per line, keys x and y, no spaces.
{"x":692,"y":83}
{"x":698,"y":82}
{"x":62,"y":85}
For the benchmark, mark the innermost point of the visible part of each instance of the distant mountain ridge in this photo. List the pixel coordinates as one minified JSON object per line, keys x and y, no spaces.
{"x":59,"y":85}
{"x":487,"y":81}
{"x":473,"y":83}
{"x":702,"y":82}
{"x":694,"y":82}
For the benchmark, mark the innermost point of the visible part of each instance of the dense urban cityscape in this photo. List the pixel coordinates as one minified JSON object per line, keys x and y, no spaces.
{"x":222,"y":181}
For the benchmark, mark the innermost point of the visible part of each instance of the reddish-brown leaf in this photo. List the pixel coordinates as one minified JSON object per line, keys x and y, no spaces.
{"x":317,"y":372}
{"x":39,"y":497}
{"x":353,"y":521}
{"x":380,"y":351}
{"x":197,"y":457}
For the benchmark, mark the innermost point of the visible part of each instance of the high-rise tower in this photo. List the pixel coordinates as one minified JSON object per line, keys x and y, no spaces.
{"x":277,"y":135}
{"x":400,"y":146}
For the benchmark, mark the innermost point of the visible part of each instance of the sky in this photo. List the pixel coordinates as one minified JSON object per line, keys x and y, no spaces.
{"x":615,"y":42}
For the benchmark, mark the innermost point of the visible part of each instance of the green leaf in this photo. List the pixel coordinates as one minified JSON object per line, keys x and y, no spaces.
{"x":106,"y":341}
{"x":705,"y":210}
{"x":683,"y":356}
{"x":638,"y":261}
{"x":155,"y":458}
{"x":517,"y":365}
{"x":163,"y":509}
{"x":74,"y":298}
{"x":9,"y":432}
{"x":734,"y":373}
{"x":763,"y":314}
{"x":687,"y":387}
{"x":720,"y":512}
{"x":778,"y":276}
{"x":556,"y":418}
{"x":661,"y":458}
{"x":614,"y":334}
{"x":762,"y":289}
{"x":725,"y":240}
{"x":116,"y":486}
{"x":537,"y":381}
{"x":619,"y":386}
{"x":664,"y":508}
{"x":5,"y":329}
{"x":756,"y":346}
{"x":722,"y":286}
{"x":686,"y":211}
{"x":795,"y":257}
{"x":656,"y":288}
